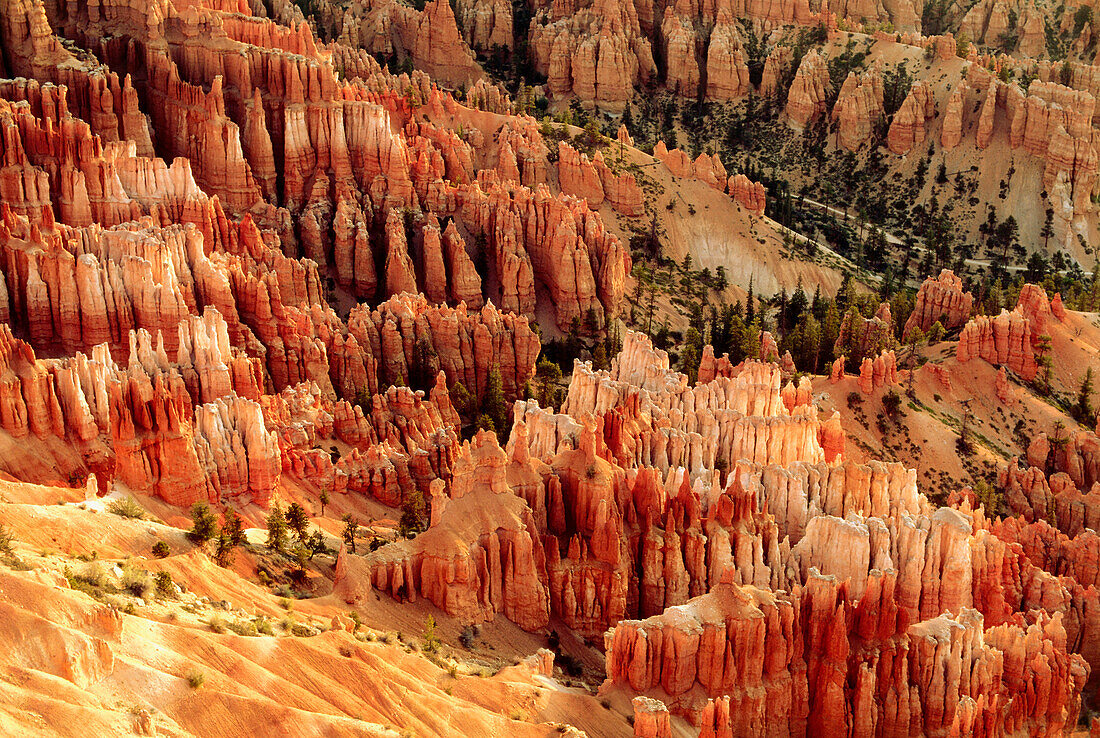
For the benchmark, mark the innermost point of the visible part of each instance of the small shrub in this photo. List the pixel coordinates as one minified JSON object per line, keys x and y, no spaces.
{"x":94,"y":574}
{"x":161,"y":550}
{"x":431,"y":640}
{"x":204,"y":524}
{"x":244,"y":628}
{"x":196,"y":678}
{"x":302,"y":630}
{"x":466,"y":638}
{"x":570,"y":665}
{"x":217,"y":624}
{"x":891,"y":402}
{"x":263,"y":626}
{"x":6,"y":539}
{"x":165,"y":587}
{"x":126,"y":507}
{"x":137,"y":582}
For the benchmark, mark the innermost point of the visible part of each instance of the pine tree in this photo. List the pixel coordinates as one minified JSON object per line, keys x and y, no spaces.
{"x":548,"y":374}
{"x":797,"y":305}
{"x":1083,"y":410}
{"x":750,"y":304}
{"x":298,"y":520}
{"x":351,"y":530}
{"x":495,"y":405}
{"x":204,"y":525}
{"x":414,"y":513}
{"x":276,"y":530}
{"x":230,"y":537}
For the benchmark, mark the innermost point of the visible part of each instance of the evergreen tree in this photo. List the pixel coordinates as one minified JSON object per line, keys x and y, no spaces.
{"x":547,"y":376}
{"x":1083,"y":410}
{"x":750,"y":340}
{"x":298,"y":520}
{"x":351,"y":530}
{"x":494,"y":405}
{"x":230,"y":537}
{"x":750,"y":306}
{"x":797,"y":305}
{"x":204,"y":525}
{"x":691,"y":354}
{"x":817,"y":306}
{"x":830,"y":331}
{"x":276,"y":530}
{"x":414,"y":513}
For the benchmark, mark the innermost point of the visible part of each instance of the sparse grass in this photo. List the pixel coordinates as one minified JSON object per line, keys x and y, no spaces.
{"x":126,"y":507}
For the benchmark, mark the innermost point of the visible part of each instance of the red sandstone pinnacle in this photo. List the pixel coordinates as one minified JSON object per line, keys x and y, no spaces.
{"x":858,"y":108}
{"x":651,"y":718}
{"x":1009,"y":339}
{"x":908,"y":126}
{"x":748,"y":194}
{"x":806,"y":99}
{"x":951,"y":133}
{"x":941,"y":299}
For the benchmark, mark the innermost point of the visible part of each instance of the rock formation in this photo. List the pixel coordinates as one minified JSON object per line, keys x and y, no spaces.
{"x":874,"y":373}
{"x":806,"y":99}
{"x":241,"y":265}
{"x":1011,"y":338}
{"x":941,"y":299}
{"x":750,"y":195}
{"x":951,"y":133}
{"x":858,"y":108}
{"x":1002,"y":340}
{"x":726,"y":64}
{"x":907,"y":128}
{"x":595,"y":181}
{"x":597,"y":52}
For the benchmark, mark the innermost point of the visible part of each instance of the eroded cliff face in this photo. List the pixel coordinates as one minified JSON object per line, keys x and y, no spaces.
{"x":942,"y":299}
{"x":708,"y":524}
{"x":228,"y":247}
{"x":196,"y":280}
{"x":1012,"y":338}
